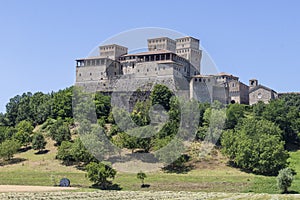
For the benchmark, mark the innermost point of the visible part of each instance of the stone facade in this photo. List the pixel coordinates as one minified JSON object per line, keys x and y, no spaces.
{"x":260,"y":93}
{"x":206,"y":89}
{"x":238,"y":91}
{"x":188,"y":48}
{"x":175,"y":63}
{"x":162,"y":43}
{"x":114,"y":64}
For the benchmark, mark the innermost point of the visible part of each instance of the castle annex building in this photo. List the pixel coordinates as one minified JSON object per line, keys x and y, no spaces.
{"x":175,"y":63}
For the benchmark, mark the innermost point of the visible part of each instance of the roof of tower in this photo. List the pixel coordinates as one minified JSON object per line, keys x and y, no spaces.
{"x":187,"y":37}
{"x":225,"y":74}
{"x":110,"y":45}
{"x":157,"y":38}
{"x":161,"y":51}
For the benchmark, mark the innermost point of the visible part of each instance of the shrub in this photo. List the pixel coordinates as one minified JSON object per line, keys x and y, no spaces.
{"x":257,"y":146}
{"x":285,"y":179}
{"x":8,"y":148}
{"x":99,"y":173}
{"x":38,"y":142}
{"x":141,"y":175}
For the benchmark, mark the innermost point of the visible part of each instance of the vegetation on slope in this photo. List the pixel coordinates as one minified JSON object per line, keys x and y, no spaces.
{"x":254,"y":139}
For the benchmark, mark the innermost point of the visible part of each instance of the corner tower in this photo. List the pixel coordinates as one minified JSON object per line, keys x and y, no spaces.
{"x":188,"y":48}
{"x":162,"y":43}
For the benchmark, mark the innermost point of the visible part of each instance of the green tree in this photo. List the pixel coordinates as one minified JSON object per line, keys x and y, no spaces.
{"x":234,"y":113}
{"x":38,"y":142}
{"x":285,"y":179}
{"x":283,"y":115}
{"x":24,"y":131}
{"x":161,"y":95}
{"x":141,"y":175}
{"x":60,"y":131}
{"x":75,"y":151}
{"x":79,"y":152}
{"x":258,"y":109}
{"x":64,"y":152}
{"x":103,"y":106}
{"x":61,"y":103}
{"x":140,"y":113}
{"x":100,"y":174}
{"x":3,"y":120}
{"x":214,"y":119}
{"x":12,"y":110}
{"x":40,"y":106}
{"x":123,"y":140}
{"x":255,"y":145}
{"x":8,"y":148}
{"x":24,"y":111}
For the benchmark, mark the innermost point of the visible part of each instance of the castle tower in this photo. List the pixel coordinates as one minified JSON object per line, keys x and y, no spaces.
{"x":162,"y":43}
{"x":112,"y":51}
{"x":188,"y":48}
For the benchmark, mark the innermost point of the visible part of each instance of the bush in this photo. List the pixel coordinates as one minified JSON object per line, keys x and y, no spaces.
{"x":24,"y":131}
{"x":99,"y":173}
{"x":74,"y":152}
{"x":8,"y":148}
{"x":60,"y":132}
{"x":141,"y":175}
{"x":256,"y":146}
{"x":285,"y":179}
{"x":38,"y":142}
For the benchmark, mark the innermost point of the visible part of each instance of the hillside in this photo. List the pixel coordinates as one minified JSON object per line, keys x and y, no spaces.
{"x":209,"y":175}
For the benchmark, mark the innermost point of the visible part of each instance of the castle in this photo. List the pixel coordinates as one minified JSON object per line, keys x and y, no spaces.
{"x":175,"y":63}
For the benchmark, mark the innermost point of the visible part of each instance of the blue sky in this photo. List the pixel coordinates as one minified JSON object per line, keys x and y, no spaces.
{"x":41,"y":39}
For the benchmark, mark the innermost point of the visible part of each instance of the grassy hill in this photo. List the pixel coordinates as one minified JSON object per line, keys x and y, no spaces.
{"x":209,"y":175}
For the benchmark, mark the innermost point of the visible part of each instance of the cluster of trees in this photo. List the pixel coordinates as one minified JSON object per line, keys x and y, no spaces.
{"x":12,"y":138}
{"x":37,"y":108}
{"x":136,"y":130}
{"x":259,"y":140}
{"x":255,"y":138}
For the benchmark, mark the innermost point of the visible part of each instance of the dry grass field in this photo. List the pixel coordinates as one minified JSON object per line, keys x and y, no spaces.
{"x":208,"y":179}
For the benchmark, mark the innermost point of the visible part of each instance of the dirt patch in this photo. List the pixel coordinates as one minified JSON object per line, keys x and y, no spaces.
{"x":24,"y":188}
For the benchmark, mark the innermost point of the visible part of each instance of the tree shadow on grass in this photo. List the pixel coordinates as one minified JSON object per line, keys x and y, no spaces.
{"x":41,"y":152}
{"x":178,"y":169}
{"x":233,"y":165}
{"x":24,"y":149}
{"x":180,"y":166}
{"x":291,"y":192}
{"x":108,"y":186}
{"x":145,"y":185}
{"x":12,"y":161}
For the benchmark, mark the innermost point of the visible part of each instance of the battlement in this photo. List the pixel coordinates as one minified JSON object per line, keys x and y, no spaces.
{"x":187,"y":42}
{"x":161,"y":43}
{"x":112,"y":51}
